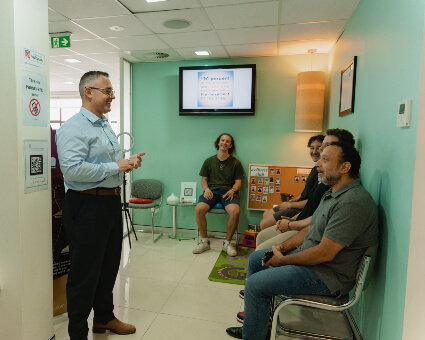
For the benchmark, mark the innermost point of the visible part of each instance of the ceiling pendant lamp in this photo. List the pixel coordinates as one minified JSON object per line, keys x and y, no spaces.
{"x":310,"y":101}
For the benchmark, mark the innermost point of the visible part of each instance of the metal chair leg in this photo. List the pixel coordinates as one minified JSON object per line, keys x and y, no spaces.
{"x":153,"y":235}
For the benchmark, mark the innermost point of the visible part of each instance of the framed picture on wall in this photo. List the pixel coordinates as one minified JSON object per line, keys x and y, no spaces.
{"x":348,"y":87}
{"x":188,"y":192}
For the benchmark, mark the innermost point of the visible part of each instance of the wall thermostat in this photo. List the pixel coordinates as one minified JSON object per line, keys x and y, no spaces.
{"x":403,"y":115}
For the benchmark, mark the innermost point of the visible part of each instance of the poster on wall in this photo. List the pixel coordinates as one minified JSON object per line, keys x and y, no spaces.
{"x":34,"y":99}
{"x":36,"y":171}
{"x":33,"y":60}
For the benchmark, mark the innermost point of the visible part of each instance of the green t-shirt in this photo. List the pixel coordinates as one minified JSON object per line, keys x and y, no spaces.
{"x":222,"y":174}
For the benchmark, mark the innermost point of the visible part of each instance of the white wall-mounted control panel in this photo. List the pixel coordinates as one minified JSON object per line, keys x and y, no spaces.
{"x":403,"y":114}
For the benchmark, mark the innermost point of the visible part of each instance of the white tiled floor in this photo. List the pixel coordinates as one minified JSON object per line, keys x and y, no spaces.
{"x":163,"y":289}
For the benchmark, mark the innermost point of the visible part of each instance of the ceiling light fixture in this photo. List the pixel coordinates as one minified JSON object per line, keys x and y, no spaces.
{"x":177,"y":24}
{"x":155,"y":0}
{"x":72,"y":61}
{"x":116,"y":28}
{"x":310,"y":100}
{"x":68,"y":83}
{"x":202,"y":53}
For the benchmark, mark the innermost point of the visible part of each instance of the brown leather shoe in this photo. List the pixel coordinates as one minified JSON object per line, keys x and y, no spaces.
{"x":115,"y":326}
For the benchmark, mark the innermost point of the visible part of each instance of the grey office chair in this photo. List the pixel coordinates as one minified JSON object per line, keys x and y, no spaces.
{"x":322,"y":317}
{"x":151,"y":189}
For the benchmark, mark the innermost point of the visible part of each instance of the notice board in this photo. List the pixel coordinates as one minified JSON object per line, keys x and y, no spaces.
{"x":267,"y":182}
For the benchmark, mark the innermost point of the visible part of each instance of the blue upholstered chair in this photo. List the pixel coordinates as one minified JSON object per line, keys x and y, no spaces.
{"x":322,"y":317}
{"x":148,"y":189}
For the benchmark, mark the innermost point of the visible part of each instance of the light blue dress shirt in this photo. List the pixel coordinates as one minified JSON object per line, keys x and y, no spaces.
{"x":88,"y":150}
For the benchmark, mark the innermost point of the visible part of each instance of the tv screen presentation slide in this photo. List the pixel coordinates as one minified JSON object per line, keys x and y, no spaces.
{"x":217,"y":89}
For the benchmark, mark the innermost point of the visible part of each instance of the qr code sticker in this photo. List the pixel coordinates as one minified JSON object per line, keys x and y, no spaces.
{"x":36,"y":162}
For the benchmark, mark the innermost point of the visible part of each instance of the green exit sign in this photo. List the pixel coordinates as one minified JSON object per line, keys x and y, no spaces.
{"x":59,"y":42}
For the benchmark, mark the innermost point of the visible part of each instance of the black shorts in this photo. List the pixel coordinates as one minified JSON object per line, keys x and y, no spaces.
{"x":218,"y":198}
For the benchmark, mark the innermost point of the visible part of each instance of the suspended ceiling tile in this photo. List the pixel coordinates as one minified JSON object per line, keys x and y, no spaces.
{"x":101,"y":26}
{"x":78,"y":33}
{"x":248,"y":15}
{"x":251,"y":35}
{"x":319,"y":30}
{"x":252,"y":50}
{"x":191,"y":39}
{"x":61,"y":52}
{"x":61,"y":69}
{"x":88,"y":66}
{"x":81,"y":9}
{"x":144,"y":42}
{"x":75,"y":77}
{"x":141,"y":55}
{"x":299,"y":11}
{"x":211,"y":3}
{"x":54,"y":16}
{"x":92,"y":46}
{"x":110,"y":57}
{"x":154,"y":20}
{"x":215,"y":52}
{"x":301,"y":47}
{"x":59,"y":78}
{"x":61,"y":59}
{"x":60,"y":86}
{"x":137,"y":6}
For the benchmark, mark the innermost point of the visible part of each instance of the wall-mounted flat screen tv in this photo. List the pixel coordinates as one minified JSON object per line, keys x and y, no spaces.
{"x":217,"y":90}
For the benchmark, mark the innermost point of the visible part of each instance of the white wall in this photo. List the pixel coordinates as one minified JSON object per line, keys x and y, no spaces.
{"x":25,"y":223}
{"x":414,"y":313}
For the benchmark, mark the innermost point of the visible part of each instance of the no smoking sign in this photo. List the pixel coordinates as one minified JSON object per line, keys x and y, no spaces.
{"x":35,"y":107}
{"x":34,"y":99}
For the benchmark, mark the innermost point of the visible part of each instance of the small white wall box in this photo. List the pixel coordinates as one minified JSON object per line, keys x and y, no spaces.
{"x":403,"y":114}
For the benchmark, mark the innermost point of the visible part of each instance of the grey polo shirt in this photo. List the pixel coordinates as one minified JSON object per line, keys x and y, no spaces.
{"x":348,"y":216}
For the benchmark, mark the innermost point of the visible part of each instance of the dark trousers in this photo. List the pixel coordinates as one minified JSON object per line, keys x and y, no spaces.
{"x":93,"y":227}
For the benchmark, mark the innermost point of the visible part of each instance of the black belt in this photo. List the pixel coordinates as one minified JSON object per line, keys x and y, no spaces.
{"x":101,"y":191}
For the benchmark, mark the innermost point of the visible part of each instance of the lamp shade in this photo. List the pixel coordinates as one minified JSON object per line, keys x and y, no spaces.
{"x":310,"y":101}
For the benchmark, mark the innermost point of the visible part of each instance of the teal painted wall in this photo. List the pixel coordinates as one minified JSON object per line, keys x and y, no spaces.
{"x":387,"y":38}
{"x":176,"y":146}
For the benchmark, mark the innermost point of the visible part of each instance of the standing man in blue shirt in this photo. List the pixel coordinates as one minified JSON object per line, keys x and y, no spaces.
{"x":91,"y":162}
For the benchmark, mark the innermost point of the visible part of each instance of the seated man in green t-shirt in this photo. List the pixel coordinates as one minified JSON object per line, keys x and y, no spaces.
{"x":222,"y":176}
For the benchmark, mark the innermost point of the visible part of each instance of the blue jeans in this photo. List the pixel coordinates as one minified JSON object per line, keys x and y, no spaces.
{"x":263,"y":283}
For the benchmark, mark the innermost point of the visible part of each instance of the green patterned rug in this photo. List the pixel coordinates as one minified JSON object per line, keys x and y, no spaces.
{"x":230,"y":269}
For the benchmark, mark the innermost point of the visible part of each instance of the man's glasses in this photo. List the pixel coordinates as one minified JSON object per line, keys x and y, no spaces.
{"x":108,"y":92}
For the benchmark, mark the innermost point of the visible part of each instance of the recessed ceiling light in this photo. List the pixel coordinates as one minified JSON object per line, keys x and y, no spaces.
{"x":68,"y":83}
{"x":72,"y":61}
{"x":202,"y":53}
{"x":155,"y":0}
{"x":176,"y":24}
{"x":116,"y":28}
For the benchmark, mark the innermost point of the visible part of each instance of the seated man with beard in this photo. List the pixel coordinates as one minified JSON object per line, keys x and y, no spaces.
{"x":321,"y":259}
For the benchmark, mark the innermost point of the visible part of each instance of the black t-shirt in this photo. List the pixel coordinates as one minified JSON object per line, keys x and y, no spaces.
{"x":313,"y":202}
{"x":222,"y":174}
{"x":309,"y":184}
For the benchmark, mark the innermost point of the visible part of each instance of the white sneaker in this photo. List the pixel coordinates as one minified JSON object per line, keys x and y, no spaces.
{"x":201,"y":247}
{"x":229,"y":249}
